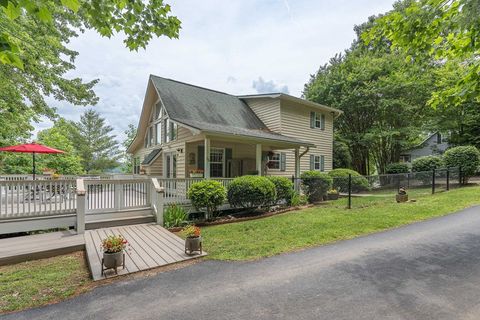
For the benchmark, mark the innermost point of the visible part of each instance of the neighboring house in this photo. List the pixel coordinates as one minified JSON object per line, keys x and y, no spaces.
{"x":435,"y":144}
{"x":185,"y":128}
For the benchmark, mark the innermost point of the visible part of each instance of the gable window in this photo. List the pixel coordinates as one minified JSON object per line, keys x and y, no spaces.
{"x":158,"y":131}
{"x":171,"y":131}
{"x":317,"y":120}
{"x":151,"y":136}
{"x":317,"y":162}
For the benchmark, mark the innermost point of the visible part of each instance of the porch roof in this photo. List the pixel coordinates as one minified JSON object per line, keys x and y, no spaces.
{"x":151,"y":156}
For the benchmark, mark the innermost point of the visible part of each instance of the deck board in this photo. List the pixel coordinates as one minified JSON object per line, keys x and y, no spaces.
{"x":151,"y":246}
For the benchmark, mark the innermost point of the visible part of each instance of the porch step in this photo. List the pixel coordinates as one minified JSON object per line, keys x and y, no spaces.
{"x":121,"y":221}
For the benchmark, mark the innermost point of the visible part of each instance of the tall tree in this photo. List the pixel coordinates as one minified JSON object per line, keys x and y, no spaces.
{"x":96,"y":145}
{"x":127,"y":158}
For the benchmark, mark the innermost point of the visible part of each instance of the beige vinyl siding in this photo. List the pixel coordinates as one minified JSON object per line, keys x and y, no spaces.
{"x":295,"y":122}
{"x":268,"y":110}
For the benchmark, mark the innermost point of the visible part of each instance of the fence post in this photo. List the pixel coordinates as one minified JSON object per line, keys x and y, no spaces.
{"x":433,"y":181}
{"x":157,"y":204}
{"x":117,"y":195}
{"x":81,"y":206}
{"x":448,"y":179}
{"x":349,"y":191}
{"x":460,"y":180}
{"x":408,"y":180}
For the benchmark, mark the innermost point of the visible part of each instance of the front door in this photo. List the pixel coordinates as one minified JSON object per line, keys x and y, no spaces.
{"x":170,"y":169}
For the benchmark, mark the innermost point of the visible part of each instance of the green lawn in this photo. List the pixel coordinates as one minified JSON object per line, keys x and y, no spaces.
{"x":38,"y":282}
{"x":328,"y":223}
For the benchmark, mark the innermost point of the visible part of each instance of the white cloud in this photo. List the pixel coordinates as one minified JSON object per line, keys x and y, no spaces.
{"x":262,"y":86}
{"x":223,"y":45}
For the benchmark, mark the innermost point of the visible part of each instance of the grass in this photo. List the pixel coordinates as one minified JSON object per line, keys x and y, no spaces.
{"x":327,"y":223}
{"x":39,"y":282}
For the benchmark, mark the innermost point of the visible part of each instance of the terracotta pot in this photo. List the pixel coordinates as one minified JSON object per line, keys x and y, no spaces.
{"x":401,"y":198}
{"x":113,"y":260}
{"x":332,"y":196}
{"x":193,"y":244}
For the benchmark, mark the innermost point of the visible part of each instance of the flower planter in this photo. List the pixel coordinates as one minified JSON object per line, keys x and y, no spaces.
{"x":332,"y":196}
{"x":196,"y":175}
{"x":113,"y":260}
{"x":192,"y":245}
{"x":401,"y":198}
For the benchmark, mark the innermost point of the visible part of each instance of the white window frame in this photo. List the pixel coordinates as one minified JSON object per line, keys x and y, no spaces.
{"x":277,"y":161}
{"x":315,"y":162}
{"x":212,"y":149}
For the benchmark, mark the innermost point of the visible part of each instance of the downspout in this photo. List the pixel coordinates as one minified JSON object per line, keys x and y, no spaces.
{"x":303,"y":153}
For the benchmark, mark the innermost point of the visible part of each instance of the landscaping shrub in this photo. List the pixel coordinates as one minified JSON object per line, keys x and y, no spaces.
{"x":427,"y":163}
{"x":283,"y":187}
{"x":397,"y":167}
{"x":251,"y":192}
{"x":208,"y":194}
{"x":467,"y":158}
{"x":315,"y":185}
{"x":340,"y":180}
{"x":298,"y":200}
{"x":174,"y":216}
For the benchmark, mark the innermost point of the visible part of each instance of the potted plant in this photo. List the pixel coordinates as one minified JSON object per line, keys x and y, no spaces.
{"x":48,"y":171}
{"x":113,"y":247}
{"x":402,"y":195}
{"x":196,"y":173}
{"x":332,"y":194}
{"x":193,"y":239}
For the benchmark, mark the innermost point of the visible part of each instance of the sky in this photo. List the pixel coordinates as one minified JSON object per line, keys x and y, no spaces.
{"x":235,"y":46}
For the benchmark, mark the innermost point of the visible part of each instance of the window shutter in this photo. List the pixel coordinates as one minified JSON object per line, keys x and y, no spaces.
{"x":228,"y":156}
{"x":201,"y":157}
{"x":283,"y":161}
{"x":322,"y":122}
{"x":312,"y":162}
{"x":312,"y":119}
{"x":322,"y":163}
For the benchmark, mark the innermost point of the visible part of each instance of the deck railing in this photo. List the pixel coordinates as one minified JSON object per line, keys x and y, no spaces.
{"x":28,"y":198}
{"x":176,"y":189}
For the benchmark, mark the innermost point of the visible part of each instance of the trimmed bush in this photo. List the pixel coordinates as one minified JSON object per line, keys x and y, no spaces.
{"x":397,"y":167}
{"x":283,"y":187}
{"x":340,"y":180}
{"x":174,"y":216}
{"x":427,"y":163}
{"x":315,"y":185}
{"x":467,"y":158}
{"x":251,"y":192}
{"x":208,"y":195}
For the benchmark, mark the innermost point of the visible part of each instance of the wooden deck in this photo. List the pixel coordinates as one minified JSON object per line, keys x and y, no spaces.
{"x":151,"y":246}
{"x":19,"y":249}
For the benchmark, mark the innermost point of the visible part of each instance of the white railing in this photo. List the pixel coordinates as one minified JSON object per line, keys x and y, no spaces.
{"x":115,"y":195}
{"x":28,"y":198}
{"x":175,"y":189}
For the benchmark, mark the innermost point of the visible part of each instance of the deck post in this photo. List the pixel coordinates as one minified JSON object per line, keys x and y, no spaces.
{"x":157,"y":204}
{"x":297,"y":169}
{"x":258,"y":158}
{"x":81,"y":206}
{"x":206,"y":161}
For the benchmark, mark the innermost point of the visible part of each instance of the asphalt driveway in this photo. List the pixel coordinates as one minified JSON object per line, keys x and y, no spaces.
{"x":429,"y":270}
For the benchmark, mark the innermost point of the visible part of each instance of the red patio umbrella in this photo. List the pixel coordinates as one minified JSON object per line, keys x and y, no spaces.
{"x":32,"y":148}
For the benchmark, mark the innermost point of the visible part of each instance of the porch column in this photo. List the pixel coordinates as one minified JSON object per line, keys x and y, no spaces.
{"x":297,"y":168}
{"x":258,"y":158}
{"x":206,"y":169}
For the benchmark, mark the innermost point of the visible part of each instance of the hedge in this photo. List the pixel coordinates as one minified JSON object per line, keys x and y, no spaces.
{"x":208,"y":194}
{"x":340,"y":180}
{"x":467,"y":158}
{"x":397,"y":167}
{"x":251,"y":192}
{"x":283,"y":187}
{"x":315,"y":185}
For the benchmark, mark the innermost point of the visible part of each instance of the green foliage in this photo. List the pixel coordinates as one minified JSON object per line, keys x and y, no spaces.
{"x":138,"y":20}
{"x":437,"y":31}
{"x":397,"y":167}
{"x":315,"y":185}
{"x":427,"y":163}
{"x":208,"y":194}
{"x":298,"y":200}
{"x":341,"y":155}
{"x":467,"y":158}
{"x":340,"y":180}
{"x":95,"y":143}
{"x":174,"y":216}
{"x":283,"y":187}
{"x":251,"y":192}
{"x":127,"y":166}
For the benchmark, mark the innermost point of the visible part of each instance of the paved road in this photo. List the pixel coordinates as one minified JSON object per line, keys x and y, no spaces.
{"x":429,"y":270}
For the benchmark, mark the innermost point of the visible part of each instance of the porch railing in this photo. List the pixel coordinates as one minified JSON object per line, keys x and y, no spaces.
{"x":176,"y":190}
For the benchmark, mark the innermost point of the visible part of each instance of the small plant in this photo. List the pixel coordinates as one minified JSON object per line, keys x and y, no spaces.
{"x":315,"y":185}
{"x":114,"y":244}
{"x":332,"y":191}
{"x":298,"y":200}
{"x":199,"y":171}
{"x":174,"y":216}
{"x":283,"y":187}
{"x":208,"y":194}
{"x":191,"y":231}
{"x":251,"y":192}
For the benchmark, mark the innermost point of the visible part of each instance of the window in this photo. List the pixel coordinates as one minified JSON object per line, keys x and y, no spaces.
{"x":151,"y":136}
{"x":317,"y":120}
{"x":317,"y":162}
{"x":171,"y":131}
{"x":158,"y":131}
{"x":136,"y":165}
{"x":217,"y":157}
{"x":274,"y":161}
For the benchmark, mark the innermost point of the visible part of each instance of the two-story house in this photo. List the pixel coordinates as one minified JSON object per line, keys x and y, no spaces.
{"x":185,"y":128}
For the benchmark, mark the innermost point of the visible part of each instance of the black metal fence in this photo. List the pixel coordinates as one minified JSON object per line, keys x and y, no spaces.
{"x":388,"y":185}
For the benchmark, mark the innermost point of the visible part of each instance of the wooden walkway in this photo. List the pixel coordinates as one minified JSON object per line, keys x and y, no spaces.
{"x":38,"y":246}
{"x":151,"y":246}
